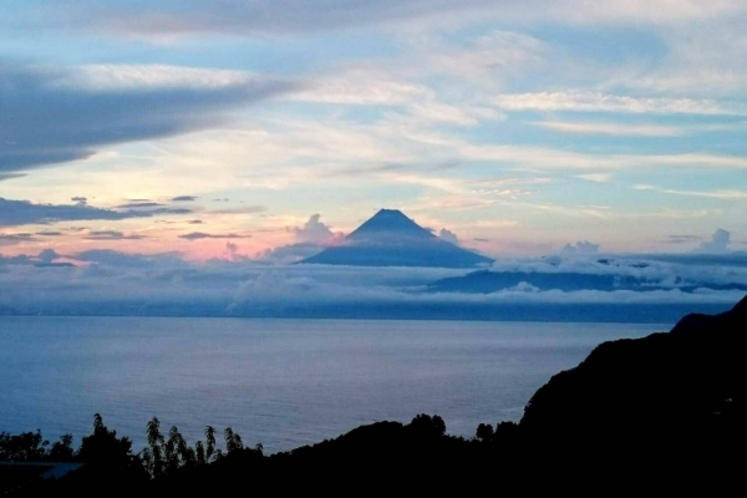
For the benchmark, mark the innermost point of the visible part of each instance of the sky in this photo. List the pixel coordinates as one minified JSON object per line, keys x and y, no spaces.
{"x":257,"y":131}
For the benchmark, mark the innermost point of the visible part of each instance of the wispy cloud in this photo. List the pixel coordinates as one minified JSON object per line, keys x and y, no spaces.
{"x":201,"y":235}
{"x":682,"y":239}
{"x":239,"y":210}
{"x":111,"y":235}
{"x":588,"y":101}
{"x":129,"y":77}
{"x":729,"y":195}
{"x":294,"y":17}
{"x":361,"y":87}
{"x":15,"y":238}
{"x":596,"y":177}
{"x":637,"y":129}
{"x":613,"y":129}
{"x":140,"y":205}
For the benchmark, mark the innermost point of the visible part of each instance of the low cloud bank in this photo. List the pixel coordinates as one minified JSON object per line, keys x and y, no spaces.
{"x":116,"y":283}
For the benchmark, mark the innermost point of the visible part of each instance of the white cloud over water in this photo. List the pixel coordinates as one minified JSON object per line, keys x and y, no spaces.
{"x":109,"y":282}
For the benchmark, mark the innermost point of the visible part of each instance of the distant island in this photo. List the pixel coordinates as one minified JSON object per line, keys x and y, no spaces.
{"x":664,"y":412}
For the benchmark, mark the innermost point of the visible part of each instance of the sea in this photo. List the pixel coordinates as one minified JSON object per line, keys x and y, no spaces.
{"x":281,"y":383}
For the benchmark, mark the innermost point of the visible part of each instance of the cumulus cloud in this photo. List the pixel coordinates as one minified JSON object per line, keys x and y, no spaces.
{"x":14,"y":212}
{"x":58,"y":115}
{"x":48,"y":255}
{"x":581,"y":247}
{"x":232,"y":253}
{"x":313,"y":237}
{"x":525,"y":287}
{"x":290,"y":253}
{"x":449,"y":236}
{"x":719,"y":243}
{"x":45,"y":258}
{"x":313,"y":231}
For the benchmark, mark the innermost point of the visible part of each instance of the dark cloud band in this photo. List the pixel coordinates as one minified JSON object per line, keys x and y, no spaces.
{"x":46,"y":120}
{"x":202,"y":235}
{"x":15,"y":213}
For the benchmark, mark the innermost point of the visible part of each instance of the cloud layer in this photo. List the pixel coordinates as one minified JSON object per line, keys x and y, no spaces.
{"x":112,"y":282}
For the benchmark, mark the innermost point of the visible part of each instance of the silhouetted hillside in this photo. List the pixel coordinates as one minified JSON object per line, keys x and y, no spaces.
{"x":674,"y":397}
{"x":672,"y":380}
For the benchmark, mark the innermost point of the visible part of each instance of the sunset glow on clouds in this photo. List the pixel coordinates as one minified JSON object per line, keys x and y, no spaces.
{"x":221,"y":130}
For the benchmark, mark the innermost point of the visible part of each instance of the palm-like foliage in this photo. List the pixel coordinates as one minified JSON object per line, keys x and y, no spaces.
{"x":167,"y":455}
{"x":210,"y":439}
{"x":233,"y":440}
{"x":154,"y":456}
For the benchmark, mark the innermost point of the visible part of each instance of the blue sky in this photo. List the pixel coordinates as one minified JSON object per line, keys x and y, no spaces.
{"x":518,"y":127}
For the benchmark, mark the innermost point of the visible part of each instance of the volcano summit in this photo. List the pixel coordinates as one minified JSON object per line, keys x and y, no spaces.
{"x":390,"y":238}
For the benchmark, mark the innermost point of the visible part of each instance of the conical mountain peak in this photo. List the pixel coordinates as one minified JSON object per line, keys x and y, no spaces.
{"x":390,"y":238}
{"x":389,"y":223}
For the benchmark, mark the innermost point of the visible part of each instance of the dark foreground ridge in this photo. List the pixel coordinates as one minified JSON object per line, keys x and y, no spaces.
{"x":390,"y":238}
{"x":662,"y":413}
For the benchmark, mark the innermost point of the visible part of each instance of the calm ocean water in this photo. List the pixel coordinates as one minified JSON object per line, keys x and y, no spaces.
{"x":283,"y":383}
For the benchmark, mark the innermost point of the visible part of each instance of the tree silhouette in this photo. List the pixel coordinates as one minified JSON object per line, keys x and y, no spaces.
{"x":484,"y":433}
{"x":153,"y":456}
{"x":428,"y":426}
{"x":233,"y":440}
{"x":200,"y":453}
{"x":62,"y":450}
{"x":24,"y":447}
{"x":103,"y":446}
{"x":210,"y":440}
{"x":177,"y":451}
